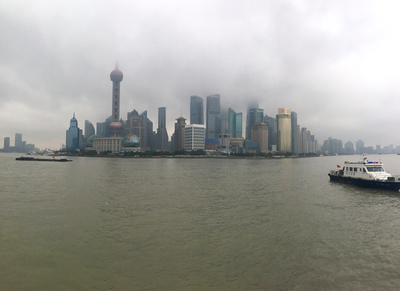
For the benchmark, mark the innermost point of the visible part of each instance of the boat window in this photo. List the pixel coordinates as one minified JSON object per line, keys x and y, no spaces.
{"x":351,"y":168}
{"x":364,"y":170}
{"x":375,"y":169}
{"x":355,"y":169}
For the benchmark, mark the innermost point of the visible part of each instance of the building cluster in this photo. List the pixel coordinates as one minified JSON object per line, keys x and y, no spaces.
{"x":213,"y":129}
{"x":20,"y":146}
{"x":333,"y":146}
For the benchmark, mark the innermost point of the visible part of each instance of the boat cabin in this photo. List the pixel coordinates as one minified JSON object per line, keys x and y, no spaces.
{"x":365,"y":170}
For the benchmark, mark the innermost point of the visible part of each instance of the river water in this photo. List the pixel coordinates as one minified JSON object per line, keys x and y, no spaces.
{"x":195,"y":224}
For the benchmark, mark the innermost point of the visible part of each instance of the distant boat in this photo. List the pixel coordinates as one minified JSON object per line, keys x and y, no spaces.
{"x":41,"y":160}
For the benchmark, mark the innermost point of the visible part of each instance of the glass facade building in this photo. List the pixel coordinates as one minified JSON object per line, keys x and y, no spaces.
{"x":284,"y":127}
{"x":234,"y":123}
{"x":295,"y":133}
{"x":72,"y":135}
{"x":213,"y":116}
{"x":196,"y":110}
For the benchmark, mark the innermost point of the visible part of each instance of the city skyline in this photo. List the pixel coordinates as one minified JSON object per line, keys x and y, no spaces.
{"x":332,"y":63}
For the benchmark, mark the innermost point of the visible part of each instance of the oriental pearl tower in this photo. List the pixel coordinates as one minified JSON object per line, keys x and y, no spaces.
{"x":116,"y":77}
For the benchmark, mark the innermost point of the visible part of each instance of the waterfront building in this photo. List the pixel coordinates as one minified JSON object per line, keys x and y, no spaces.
{"x":237,"y":145}
{"x":195,"y":137}
{"x":116,"y":127}
{"x":294,"y":131}
{"x":6,"y":147}
{"x":135,"y":126}
{"x":196,"y":110}
{"x":359,"y":147}
{"x":149,"y":142}
{"x":211,"y":144}
{"x":304,"y":142}
{"x":213,"y":117}
{"x":18,"y":142}
{"x":224,"y":142}
{"x":72,"y":135}
{"x":103,"y":128}
{"x":179,"y":134}
{"x":89,"y":129}
{"x":224,"y":120}
{"x":162,"y":135}
{"x":250,"y":105}
{"x":284,"y":127}
{"x":234,"y":123}
{"x":250,"y":146}
{"x":259,"y":133}
{"x":256,"y":115}
{"x":272,"y":132}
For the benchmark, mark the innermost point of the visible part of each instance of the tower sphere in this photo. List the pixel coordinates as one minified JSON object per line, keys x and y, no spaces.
{"x":116,"y":76}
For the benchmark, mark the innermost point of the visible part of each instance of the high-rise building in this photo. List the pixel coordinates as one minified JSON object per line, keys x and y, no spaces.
{"x":213,"y":117}
{"x":284,"y":127}
{"x":116,"y":77}
{"x":89,"y":129}
{"x":255,"y":115}
{"x":196,"y":110}
{"x":135,"y":126}
{"x":195,"y":137}
{"x":359,"y":147}
{"x":148,"y":131}
{"x":72,"y":135}
{"x":162,"y":117}
{"x":259,"y":133}
{"x":6,"y":144}
{"x":18,"y":142}
{"x":224,"y":120}
{"x":179,"y":134}
{"x":272,"y":132}
{"x":234,"y":123}
{"x":295,"y":138}
{"x":162,"y":135}
{"x":250,"y":105}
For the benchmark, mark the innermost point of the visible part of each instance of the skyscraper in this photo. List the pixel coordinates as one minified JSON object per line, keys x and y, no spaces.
{"x":196,"y":110}
{"x":162,"y":135}
{"x":250,"y":105}
{"x":6,"y":144}
{"x":72,"y":134}
{"x":89,"y":129}
{"x":195,"y":137}
{"x":295,"y":138}
{"x":284,"y":127}
{"x":234,"y":123}
{"x":272,"y":132}
{"x":179,"y":134}
{"x":18,"y":141}
{"x":259,"y":133}
{"x":255,"y":115}
{"x":116,"y":77}
{"x":213,"y":117}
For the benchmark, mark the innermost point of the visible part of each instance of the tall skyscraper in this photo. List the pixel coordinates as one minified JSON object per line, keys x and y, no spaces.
{"x":162,"y":117}
{"x":255,"y":115}
{"x":250,"y":105}
{"x":196,"y":110}
{"x":89,"y":129}
{"x":234,"y":123}
{"x":213,"y":116}
{"x":18,"y":141}
{"x":6,"y":144}
{"x":179,"y":134}
{"x":148,"y":130}
{"x":284,"y":127}
{"x":72,"y":134}
{"x":272,"y":132}
{"x":116,"y":77}
{"x":259,"y":133}
{"x":295,"y":138}
{"x":162,"y":135}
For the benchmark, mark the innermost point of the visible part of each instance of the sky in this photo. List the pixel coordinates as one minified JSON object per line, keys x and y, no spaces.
{"x":335,"y":63}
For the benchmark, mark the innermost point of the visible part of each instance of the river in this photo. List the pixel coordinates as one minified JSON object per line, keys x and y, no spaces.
{"x":195,"y":224}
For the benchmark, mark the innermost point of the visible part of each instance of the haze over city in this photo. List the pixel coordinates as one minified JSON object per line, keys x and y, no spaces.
{"x":334,"y":63}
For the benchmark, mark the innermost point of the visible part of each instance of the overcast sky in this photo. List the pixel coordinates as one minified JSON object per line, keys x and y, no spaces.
{"x":335,"y":63}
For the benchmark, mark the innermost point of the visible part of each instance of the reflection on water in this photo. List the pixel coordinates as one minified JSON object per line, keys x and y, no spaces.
{"x":194,"y":224}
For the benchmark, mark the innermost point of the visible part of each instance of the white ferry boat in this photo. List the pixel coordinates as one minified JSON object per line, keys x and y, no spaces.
{"x":365,"y":173}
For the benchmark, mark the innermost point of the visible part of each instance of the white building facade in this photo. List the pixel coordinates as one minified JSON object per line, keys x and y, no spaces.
{"x":194,"y":137}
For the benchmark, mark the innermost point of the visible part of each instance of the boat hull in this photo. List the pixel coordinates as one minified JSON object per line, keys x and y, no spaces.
{"x":387,"y":185}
